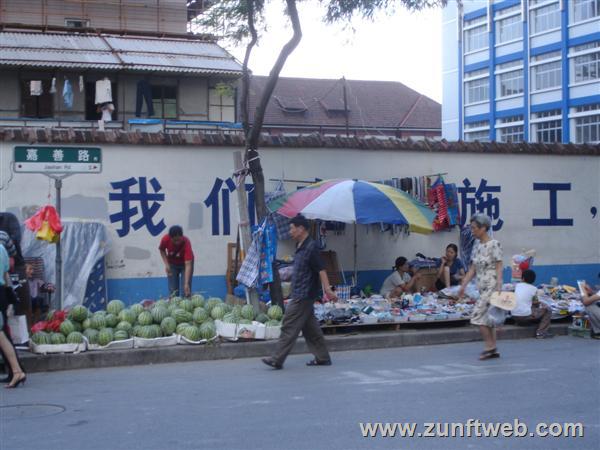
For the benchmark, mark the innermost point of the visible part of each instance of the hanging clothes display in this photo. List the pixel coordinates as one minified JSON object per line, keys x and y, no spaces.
{"x":46,"y":224}
{"x":452,"y":199}
{"x":144,"y":93}
{"x":35,"y":88}
{"x":268,"y":253}
{"x":53,"y":86}
{"x":67,"y":94}
{"x":438,"y":202}
{"x":80,"y":83}
{"x":107,"y":110}
{"x":103,"y":91}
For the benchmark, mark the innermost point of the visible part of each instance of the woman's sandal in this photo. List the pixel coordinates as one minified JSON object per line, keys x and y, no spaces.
{"x":489,"y":354}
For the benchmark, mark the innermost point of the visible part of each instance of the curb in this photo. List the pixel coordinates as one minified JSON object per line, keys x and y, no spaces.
{"x":253,"y":349}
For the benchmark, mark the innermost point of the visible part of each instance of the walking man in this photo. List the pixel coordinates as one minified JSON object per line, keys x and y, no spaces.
{"x":309,"y":275}
{"x":176,"y":252}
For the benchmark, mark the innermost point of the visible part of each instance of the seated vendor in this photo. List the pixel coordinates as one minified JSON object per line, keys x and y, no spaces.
{"x":399,"y":281}
{"x":529,"y":309}
{"x":591,"y":301}
{"x":452,"y":269}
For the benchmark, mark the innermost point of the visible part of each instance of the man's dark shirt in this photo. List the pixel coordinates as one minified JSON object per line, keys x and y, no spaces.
{"x":306,"y":283}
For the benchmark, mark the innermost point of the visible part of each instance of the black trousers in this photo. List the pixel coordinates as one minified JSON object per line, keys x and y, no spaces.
{"x":300,"y":316}
{"x":144,"y":92}
{"x":3,"y":307}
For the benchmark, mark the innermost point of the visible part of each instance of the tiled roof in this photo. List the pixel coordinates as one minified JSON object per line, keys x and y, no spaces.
{"x":199,"y":139}
{"x":110,"y":52}
{"x":379,"y":104}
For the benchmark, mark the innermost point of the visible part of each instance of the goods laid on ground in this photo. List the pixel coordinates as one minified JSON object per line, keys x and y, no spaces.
{"x":151,"y":324}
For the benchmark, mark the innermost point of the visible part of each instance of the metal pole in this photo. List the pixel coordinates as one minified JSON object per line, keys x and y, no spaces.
{"x":58,"y":263}
{"x":355,"y":262}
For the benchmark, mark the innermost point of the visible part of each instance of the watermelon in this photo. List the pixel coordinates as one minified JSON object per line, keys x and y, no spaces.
{"x":145,"y":318}
{"x":162,"y":303}
{"x":41,"y":338}
{"x":228,"y":308}
{"x":200,"y":315}
{"x":98,"y":321}
{"x":230,"y":318}
{"x":217,"y":312}
{"x":115,"y":307}
{"x":124,"y":326}
{"x":105,"y":336}
{"x":87,"y":323}
{"x":57,"y":338}
{"x":248,"y":312}
{"x":121,"y":335}
{"x":67,"y":327}
{"x":149,"y":332}
{"x":181,"y":315}
{"x":159,"y":313}
{"x":208,"y":330}
{"x":168,"y":326}
{"x":273,"y":323}
{"x":135,"y":331}
{"x":157,"y":330}
{"x":176,"y":300}
{"x":197,"y":300}
{"x":211,"y":303}
{"x":180,"y":327}
{"x":111,"y":320}
{"x":187,"y":305}
{"x":50,"y":315}
{"x":75,"y":338}
{"x":275,"y":312}
{"x":136,"y":308}
{"x":79,"y":313}
{"x":192,"y":333}
{"x":127,"y":315}
{"x":77,"y":326}
{"x":91,"y":335}
{"x":262,"y":318}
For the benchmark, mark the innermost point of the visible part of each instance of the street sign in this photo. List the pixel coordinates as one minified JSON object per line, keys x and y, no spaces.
{"x":56,"y":160}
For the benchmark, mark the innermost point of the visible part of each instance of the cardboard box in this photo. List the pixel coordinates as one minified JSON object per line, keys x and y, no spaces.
{"x":427,"y":281}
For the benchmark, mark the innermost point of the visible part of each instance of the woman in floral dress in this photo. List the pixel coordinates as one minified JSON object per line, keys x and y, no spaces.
{"x":486,"y":264}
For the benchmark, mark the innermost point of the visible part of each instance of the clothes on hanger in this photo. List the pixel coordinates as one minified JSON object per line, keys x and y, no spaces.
{"x":103,"y":92}
{"x":107,"y":110}
{"x":35,"y":88}
{"x":53,"y":86}
{"x":67,"y":94}
{"x":144,"y":93}
{"x":81,"y":83}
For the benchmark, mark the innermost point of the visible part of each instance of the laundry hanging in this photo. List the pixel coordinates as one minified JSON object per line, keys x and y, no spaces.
{"x":53,"y":86}
{"x":67,"y":94}
{"x":35,"y":88}
{"x":103,"y":92}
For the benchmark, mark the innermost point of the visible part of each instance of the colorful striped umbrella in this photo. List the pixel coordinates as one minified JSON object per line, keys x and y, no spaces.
{"x":356,"y":201}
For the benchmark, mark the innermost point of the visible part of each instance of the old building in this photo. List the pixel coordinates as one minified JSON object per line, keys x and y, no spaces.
{"x":55,"y":55}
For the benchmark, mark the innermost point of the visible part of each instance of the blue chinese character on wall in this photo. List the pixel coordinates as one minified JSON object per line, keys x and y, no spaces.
{"x":218,"y":202}
{"x":149,"y":203}
{"x":553,"y":220}
{"x":480,"y":200}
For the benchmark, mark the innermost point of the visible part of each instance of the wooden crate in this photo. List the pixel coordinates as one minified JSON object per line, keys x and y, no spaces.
{"x":427,"y":281}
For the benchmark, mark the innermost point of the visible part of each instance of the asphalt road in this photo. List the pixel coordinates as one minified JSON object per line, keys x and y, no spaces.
{"x":242,"y":404}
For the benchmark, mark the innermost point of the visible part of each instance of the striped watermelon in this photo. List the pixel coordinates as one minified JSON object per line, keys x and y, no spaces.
{"x":181,"y":315}
{"x":41,"y":338}
{"x":75,"y":338}
{"x":168,"y":326}
{"x":212,"y":302}
{"x":229,"y":318}
{"x":78,"y":313}
{"x":248,"y":312}
{"x":217,"y":312}
{"x":147,"y":332}
{"x":192,"y":333}
{"x":275,"y":312}
{"x":57,"y":338}
{"x":208,"y":330}
{"x":121,"y":335}
{"x":87,"y":323}
{"x":157,"y":330}
{"x":106,"y":336}
{"x":115,"y":307}
{"x":159,"y":313}
{"x":200,"y":315}
{"x":67,"y":327}
{"x":187,"y":305}
{"x":77,"y":326}
{"x":181,"y":327}
{"x":162,"y":303}
{"x":127,"y":315}
{"x":124,"y":326}
{"x":262,"y":318}
{"x":91,"y":335}
{"x":145,"y":318}
{"x":111,"y":320}
{"x":197,"y":300}
{"x":137,"y":309}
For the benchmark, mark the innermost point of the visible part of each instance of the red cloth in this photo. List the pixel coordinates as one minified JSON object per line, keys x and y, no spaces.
{"x":179,"y":254}
{"x":46,"y":213}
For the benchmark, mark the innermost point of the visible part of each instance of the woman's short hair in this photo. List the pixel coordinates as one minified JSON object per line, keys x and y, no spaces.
{"x":400,"y":261}
{"x":453,"y":247}
{"x":481,"y":220}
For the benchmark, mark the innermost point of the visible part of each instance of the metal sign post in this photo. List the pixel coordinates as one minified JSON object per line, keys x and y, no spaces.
{"x":57,"y":163}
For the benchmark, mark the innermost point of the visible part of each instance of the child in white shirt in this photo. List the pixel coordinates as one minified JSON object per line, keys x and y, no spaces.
{"x":529,"y":310}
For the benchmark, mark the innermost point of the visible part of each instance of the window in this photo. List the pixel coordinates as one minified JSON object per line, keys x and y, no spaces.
{"x":481,"y":136}
{"x":221,"y":103}
{"x":547,"y":126}
{"x":477,"y":91}
{"x":509,"y":83}
{"x":77,"y":23}
{"x":509,"y":29}
{"x":475,"y":34}
{"x":545,"y":18}
{"x":585,"y":9}
{"x":587,"y":127}
{"x":586,"y":67}
{"x":164,"y":101}
{"x":510,"y":129}
{"x":547,"y":75}
{"x":37,"y":106}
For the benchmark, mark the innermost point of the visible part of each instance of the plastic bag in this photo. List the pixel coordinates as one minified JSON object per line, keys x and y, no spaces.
{"x":496,"y":316}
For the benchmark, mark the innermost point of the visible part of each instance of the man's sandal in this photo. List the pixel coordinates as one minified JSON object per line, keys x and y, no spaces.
{"x":316,"y":362}
{"x":489,"y":354}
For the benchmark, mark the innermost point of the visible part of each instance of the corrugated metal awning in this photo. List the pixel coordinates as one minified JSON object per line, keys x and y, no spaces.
{"x":102,"y":51}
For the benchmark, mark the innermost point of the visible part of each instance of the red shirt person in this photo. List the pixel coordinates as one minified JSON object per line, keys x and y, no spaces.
{"x":176,"y":252}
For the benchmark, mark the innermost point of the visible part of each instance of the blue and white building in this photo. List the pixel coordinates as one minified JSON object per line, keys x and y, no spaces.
{"x":522,"y":70}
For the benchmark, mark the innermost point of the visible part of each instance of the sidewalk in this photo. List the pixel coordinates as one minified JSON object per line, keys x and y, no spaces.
{"x":255,"y":349}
